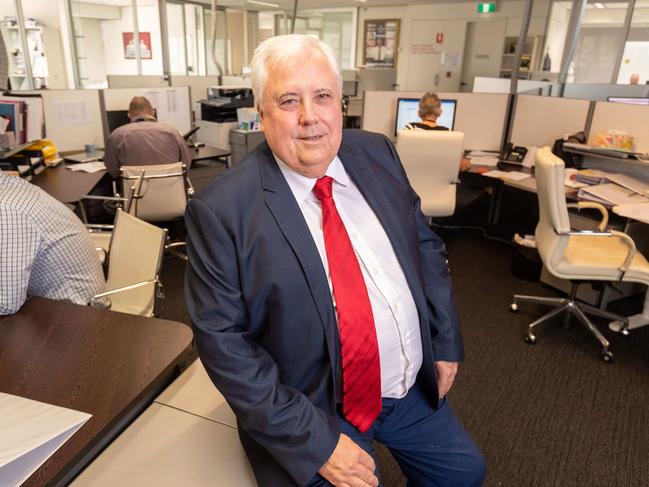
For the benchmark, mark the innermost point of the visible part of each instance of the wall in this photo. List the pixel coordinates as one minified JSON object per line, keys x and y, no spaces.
{"x":94,"y":51}
{"x":452,"y":19}
{"x":148,"y":21}
{"x":556,"y":36}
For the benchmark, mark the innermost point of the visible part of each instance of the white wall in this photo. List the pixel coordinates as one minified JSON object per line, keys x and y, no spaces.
{"x":94,"y":51}
{"x":453,"y":18}
{"x":148,"y":21}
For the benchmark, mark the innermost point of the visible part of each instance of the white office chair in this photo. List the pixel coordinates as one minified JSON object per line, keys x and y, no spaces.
{"x":164,"y":191}
{"x":431,"y":159}
{"x":160,"y":196}
{"x":134,"y":259}
{"x":580,"y":256}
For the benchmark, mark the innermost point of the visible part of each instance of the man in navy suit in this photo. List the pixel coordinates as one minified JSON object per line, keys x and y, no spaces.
{"x":320,"y":299}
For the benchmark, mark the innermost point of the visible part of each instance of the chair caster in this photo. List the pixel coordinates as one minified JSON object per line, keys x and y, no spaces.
{"x":607,"y":356}
{"x":530,"y":339}
{"x":513,"y":307}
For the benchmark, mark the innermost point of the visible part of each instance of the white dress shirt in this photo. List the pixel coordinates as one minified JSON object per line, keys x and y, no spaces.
{"x":393,"y":308}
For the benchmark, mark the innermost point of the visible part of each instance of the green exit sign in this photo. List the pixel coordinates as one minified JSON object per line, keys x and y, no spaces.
{"x":484,"y":8}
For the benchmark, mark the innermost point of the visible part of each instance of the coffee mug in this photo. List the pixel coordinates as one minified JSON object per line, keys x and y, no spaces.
{"x":91,"y":149}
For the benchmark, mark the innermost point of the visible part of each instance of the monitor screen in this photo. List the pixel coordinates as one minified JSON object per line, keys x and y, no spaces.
{"x":629,"y":100}
{"x":407,"y":109}
{"x":117,"y":118}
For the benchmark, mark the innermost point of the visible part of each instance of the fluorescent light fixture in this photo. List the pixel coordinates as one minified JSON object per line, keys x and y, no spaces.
{"x":599,"y":5}
{"x":361,"y":1}
{"x":264,"y":4}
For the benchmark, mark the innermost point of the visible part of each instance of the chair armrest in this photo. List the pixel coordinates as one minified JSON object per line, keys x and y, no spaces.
{"x":93,"y":227}
{"x":628,"y":241}
{"x":596,"y":206}
{"x":190,"y":187}
{"x":103,"y":198}
{"x":126,"y":288}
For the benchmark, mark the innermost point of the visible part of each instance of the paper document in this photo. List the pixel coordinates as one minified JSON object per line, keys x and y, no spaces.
{"x":491,"y":161}
{"x":571,"y":180}
{"x":610,"y":194}
{"x":638,"y":212}
{"x":31,"y":432}
{"x":89,"y":167}
{"x":510,"y":175}
{"x":635,"y":185}
{"x":71,"y":112}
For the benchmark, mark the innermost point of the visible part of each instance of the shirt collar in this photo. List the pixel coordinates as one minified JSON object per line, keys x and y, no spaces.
{"x":302,"y":186}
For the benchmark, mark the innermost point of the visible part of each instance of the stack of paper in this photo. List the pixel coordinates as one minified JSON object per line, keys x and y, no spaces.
{"x":509,"y":175}
{"x":31,"y":432}
{"x":630,"y":183}
{"x":638,"y":212}
{"x":610,"y":194}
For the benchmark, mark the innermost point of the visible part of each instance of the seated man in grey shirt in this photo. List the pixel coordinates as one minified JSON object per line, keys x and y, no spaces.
{"x":44,"y":249}
{"x":144,"y":141}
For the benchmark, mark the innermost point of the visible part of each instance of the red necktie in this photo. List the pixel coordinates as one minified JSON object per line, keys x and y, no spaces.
{"x":360,"y":351}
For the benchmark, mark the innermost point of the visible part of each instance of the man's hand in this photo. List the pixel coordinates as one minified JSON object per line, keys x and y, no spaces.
{"x":445,"y":376}
{"x":349,"y":465}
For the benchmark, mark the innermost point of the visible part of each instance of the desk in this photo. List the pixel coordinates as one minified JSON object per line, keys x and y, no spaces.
{"x":108,"y":364}
{"x":65,"y":185}
{"x":209,"y":152}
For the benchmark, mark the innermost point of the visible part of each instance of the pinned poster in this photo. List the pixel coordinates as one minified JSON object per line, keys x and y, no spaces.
{"x":31,"y":432}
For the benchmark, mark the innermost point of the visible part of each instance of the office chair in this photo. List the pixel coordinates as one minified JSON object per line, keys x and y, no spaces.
{"x":161,"y":195}
{"x":431,"y":159}
{"x":580,"y":256}
{"x":134,"y":260}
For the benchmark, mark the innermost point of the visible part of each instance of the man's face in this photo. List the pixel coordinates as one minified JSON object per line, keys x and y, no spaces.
{"x":301,"y":113}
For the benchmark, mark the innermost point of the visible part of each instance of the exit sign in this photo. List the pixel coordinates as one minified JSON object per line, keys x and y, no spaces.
{"x":484,"y":8}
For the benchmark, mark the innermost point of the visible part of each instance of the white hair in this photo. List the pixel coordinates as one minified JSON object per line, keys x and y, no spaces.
{"x":279,"y":49}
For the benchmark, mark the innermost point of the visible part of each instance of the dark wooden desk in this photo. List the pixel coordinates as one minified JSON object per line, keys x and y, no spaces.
{"x":108,"y":364}
{"x":65,"y":185}
{"x":209,"y":152}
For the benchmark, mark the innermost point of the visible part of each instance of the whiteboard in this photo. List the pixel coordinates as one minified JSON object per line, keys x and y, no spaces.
{"x":540,"y":120}
{"x":73,"y":118}
{"x":481,"y":116}
{"x":171,"y":103}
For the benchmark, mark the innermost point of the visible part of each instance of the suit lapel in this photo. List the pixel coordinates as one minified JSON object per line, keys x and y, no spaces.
{"x":376,"y":194}
{"x":289,"y":218}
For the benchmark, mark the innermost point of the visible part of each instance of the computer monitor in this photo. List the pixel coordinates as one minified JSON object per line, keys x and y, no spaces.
{"x":629,"y":100}
{"x":117,"y":118}
{"x":407,"y":109}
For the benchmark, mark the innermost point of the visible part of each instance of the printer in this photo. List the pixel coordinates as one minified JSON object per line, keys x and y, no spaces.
{"x":222,"y":103}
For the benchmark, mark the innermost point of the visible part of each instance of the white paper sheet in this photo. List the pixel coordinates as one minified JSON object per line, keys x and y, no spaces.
{"x":510,"y":175}
{"x":491,"y":161}
{"x":72,"y":112}
{"x":635,"y":185}
{"x":612,"y":194}
{"x":31,"y":432}
{"x":638,"y":212}
{"x":89,"y":167}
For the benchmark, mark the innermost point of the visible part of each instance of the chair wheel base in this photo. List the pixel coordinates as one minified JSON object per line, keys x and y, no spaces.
{"x":529,"y":338}
{"x":607,"y":356}
{"x":513,"y":307}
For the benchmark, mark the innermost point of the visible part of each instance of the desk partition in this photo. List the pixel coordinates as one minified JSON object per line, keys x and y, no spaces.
{"x":171,"y":103}
{"x":540,"y":120}
{"x":197,"y":85}
{"x":481,"y":116}
{"x":632,"y":119}
{"x":73,"y":118}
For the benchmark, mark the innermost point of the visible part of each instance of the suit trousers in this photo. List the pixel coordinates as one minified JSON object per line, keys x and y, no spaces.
{"x":431,"y":446}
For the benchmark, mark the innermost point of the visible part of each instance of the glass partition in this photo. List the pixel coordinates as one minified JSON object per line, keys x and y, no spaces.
{"x":10,"y":31}
{"x":634,"y":67}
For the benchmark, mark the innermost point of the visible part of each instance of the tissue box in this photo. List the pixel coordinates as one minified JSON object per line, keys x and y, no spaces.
{"x":7,"y":140}
{"x":614,"y":139}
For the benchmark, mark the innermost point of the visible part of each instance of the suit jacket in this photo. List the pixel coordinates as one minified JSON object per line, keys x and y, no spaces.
{"x":262,"y":312}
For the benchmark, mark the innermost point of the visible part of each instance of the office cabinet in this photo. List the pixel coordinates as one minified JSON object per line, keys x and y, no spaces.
{"x":242,"y":142}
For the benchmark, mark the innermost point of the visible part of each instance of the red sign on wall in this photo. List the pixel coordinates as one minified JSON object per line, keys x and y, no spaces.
{"x":439,"y":38}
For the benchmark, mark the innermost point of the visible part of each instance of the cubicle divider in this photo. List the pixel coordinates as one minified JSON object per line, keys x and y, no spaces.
{"x":601,"y":91}
{"x":136,"y":81}
{"x":171,"y":103}
{"x":73,"y":118}
{"x":632,"y":119}
{"x":481,"y":116}
{"x":540,"y":120}
{"x":483,"y":84}
{"x":197,"y":87}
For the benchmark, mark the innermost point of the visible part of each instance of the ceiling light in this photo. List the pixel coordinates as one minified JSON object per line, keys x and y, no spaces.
{"x":264,"y":4}
{"x":599,"y":5}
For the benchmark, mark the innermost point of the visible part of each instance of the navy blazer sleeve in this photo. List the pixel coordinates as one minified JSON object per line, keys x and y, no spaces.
{"x":281,"y":419}
{"x":444,"y":326}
